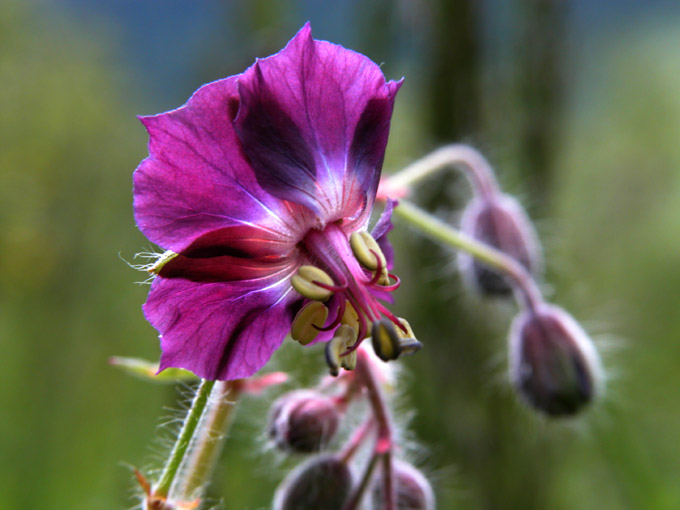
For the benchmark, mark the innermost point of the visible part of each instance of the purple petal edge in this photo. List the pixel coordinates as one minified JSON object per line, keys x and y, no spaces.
{"x":382,"y":228}
{"x":220,"y":331}
{"x":314,"y":121}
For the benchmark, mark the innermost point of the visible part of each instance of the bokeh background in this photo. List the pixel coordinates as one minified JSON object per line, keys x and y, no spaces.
{"x":577,"y":105}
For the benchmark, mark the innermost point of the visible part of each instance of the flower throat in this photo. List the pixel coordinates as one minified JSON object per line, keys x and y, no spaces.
{"x":343,"y":288}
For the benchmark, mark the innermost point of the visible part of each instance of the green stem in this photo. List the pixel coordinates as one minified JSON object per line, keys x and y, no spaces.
{"x":183,"y":439}
{"x":354,"y":502}
{"x":206,"y":445}
{"x":444,"y":233}
{"x":469,"y":160}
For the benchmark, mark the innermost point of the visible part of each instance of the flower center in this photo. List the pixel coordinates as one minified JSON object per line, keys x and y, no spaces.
{"x":351,"y":276}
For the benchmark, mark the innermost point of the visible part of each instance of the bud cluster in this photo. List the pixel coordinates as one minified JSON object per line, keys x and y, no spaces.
{"x":306,"y":422}
{"x":553,"y":366}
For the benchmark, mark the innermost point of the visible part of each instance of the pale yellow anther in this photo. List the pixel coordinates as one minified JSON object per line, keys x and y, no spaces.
{"x":350,"y":316}
{"x":366,"y":250}
{"x":344,"y":338}
{"x":385,"y":340}
{"x":384,"y":278}
{"x":162,"y":260}
{"x":303,"y":282}
{"x":408,"y":344}
{"x":390,"y":341}
{"x":307,"y":321}
{"x":407,"y":326}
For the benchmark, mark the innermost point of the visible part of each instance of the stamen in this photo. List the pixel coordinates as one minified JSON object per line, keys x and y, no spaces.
{"x":313,"y":283}
{"x":306,"y":324}
{"x":385,"y":340}
{"x":366,"y":250}
{"x":390,"y":343}
{"x":331,"y":288}
{"x":408,"y":346}
{"x":378,"y":272}
{"x":390,"y":288}
{"x":338,"y":318}
{"x":335,"y":350}
{"x":391,"y":317}
{"x":350,"y":315}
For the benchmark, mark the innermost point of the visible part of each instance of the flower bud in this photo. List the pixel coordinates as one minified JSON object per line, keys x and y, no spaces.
{"x":499,"y":221}
{"x":413,"y":491}
{"x":553,"y":363}
{"x":303,"y":421}
{"x":323,"y":482}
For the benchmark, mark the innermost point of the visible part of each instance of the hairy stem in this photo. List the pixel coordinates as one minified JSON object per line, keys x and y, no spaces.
{"x":383,"y":445}
{"x":355,"y":500}
{"x":463,"y":157}
{"x":206,"y":445}
{"x":183,"y":439}
{"x":444,"y":233}
{"x":356,"y":440}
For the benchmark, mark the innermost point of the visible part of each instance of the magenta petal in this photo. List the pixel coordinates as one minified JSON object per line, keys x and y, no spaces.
{"x":240,"y":252}
{"x":313,"y":121}
{"x":220,"y":330}
{"x":196,"y":179}
{"x":382,"y":228}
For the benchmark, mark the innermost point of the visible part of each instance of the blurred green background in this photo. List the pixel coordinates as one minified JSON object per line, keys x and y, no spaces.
{"x":577,"y":105}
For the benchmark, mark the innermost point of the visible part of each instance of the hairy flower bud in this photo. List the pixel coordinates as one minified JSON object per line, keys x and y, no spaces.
{"x":413,"y":491}
{"x":303,"y":421}
{"x":499,"y":221}
{"x":323,"y":482}
{"x":553,"y":362}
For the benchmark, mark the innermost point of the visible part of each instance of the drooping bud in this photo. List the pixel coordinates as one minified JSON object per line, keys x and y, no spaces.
{"x":303,"y":421}
{"x":305,"y":282}
{"x":307,"y":322}
{"x":553,"y":363}
{"x":413,"y":491}
{"x":323,"y":482}
{"x":499,"y":221}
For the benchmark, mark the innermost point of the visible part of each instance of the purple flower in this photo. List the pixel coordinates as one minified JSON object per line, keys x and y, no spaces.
{"x":258,"y":175}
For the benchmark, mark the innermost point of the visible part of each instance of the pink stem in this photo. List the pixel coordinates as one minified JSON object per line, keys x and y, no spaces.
{"x":356,"y":440}
{"x":383,"y":444}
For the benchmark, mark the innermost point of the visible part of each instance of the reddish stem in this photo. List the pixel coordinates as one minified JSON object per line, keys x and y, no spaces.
{"x":383,"y":444}
{"x":356,"y":440}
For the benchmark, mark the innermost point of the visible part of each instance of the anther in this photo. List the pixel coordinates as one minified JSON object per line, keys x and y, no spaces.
{"x":389,"y":342}
{"x":345,"y":337}
{"x":308,"y":282}
{"x":385,"y":340}
{"x":308,"y":322}
{"x":367,"y":251}
{"x":408,"y":344}
{"x":350,"y":316}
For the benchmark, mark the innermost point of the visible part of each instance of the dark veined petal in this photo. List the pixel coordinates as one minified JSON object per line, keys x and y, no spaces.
{"x":382,"y":228}
{"x":314,"y":121}
{"x":221,"y":330}
{"x":196,"y":178}
{"x":240,"y":252}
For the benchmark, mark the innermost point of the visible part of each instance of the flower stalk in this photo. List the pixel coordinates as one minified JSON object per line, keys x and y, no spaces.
{"x":184,"y":439}
{"x":475,"y":167}
{"x":444,"y":233}
{"x":383,"y":444}
{"x":207,"y":443}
